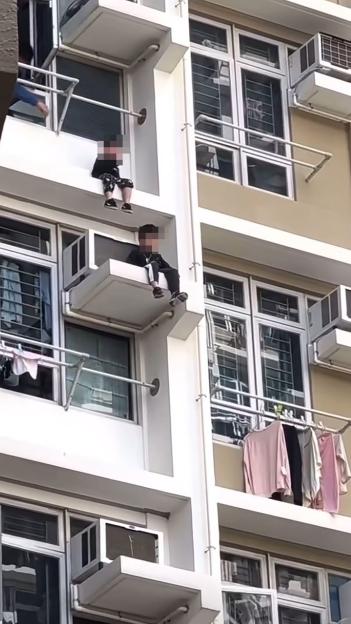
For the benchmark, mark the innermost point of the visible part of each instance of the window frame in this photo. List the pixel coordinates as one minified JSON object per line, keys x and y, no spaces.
{"x":244,"y":589}
{"x":53,"y":551}
{"x":255,"y":284}
{"x":236,"y":64}
{"x":233,"y":278}
{"x":222,"y":25}
{"x":36,"y":223}
{"x":330,"y":571}
{"x":132,"y":358}
{"x":253,"y":320}
{"x":298,"y":601}
{"x":245,"y":554}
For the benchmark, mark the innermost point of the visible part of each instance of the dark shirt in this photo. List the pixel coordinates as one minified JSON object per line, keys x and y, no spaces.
{"x":105,"y":166}
{"x":141,"y":258}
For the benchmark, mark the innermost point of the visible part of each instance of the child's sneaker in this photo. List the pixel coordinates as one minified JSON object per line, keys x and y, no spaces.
{"x":158,"y":292}
{"x":127,"y":208}
{"x":178,"y":296}
{"x":111,"y":203}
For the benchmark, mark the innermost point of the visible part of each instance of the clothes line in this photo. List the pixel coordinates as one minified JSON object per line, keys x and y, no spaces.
{"x":344,"y":419}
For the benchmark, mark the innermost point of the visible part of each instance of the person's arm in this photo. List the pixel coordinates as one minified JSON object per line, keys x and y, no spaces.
{"x":23,"y":94}
{"x":136,"y":257}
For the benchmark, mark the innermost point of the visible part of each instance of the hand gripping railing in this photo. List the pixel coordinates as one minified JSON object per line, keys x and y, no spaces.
{"x":8,"y":351}
{"x":222,"y":141}
{"x":237,"y":407}
{"x":69,"y":94}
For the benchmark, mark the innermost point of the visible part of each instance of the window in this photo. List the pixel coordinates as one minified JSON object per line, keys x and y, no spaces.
{"x":27,"y":272}
{"x":215,"y":160}
{"x":33,"y":566}
{"x":292,"y":593}
{"x":96,"y":83}
{"x":240,"y":81}
{"x":339,"y":597}
{"x":110,"y":354}
{"x":255,"y":346}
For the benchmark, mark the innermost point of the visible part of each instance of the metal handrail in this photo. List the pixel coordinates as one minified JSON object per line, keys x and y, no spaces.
{"x":263,"y":399}
{"x":69,"y":94}
{"x":82,"y":357}
{"x":222,"y":141}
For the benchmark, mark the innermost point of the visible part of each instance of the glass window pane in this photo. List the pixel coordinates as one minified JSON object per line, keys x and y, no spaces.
{"x":208,"y":35}
{"x":30,"y":587}
{"x":224,"y":290}
{"x":263,"y":111}
{"x":278,"y":304}
{"x":25,"y":299}
{"x":215,"y":161}
{"x":29,"y":524}
{"x":212,"y":94}
{"x":281,"y":365}
{"x":267,"y":176}
{"x":242,"y":570}
{"x":241,"y":608}
{"x":259,"y":51}
{"x":295,"y":616}
{"x":230,"y":424}
{"x":25,"y":236}
{"x":339,"y":597}
{"x":109,"y":354}
{"x":95,"y":83}
{"x":297,"y":582}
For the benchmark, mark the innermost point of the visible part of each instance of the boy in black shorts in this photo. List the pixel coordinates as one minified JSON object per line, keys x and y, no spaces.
{"x":147,"y":256}
{"x":106,"y":169}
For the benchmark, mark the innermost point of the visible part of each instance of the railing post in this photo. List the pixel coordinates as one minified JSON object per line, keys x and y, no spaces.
{"x":74,"y":383}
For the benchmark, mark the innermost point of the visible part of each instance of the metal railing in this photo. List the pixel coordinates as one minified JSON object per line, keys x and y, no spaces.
{"x":69,"y":94}
{"x":241,"y":144}
{"x":263,"y":414}
{"x":55,"y":362}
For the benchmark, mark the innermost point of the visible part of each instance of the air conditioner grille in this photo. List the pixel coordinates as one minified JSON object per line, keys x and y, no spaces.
{"x":334,"y":308}
{"x":336,"y":51}
{"x":348,"y":302}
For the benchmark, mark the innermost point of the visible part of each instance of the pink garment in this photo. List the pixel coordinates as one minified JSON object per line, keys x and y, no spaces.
{"x":266,"y":462}
{"x":25,"y":362}
{"x":328,"y":497}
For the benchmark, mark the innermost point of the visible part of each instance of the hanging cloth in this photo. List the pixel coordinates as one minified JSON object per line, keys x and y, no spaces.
{"x":311,"y":465}
{"x":328,"y":496}
{"x":25,"y":362}
{"x":295,"y":463}
{"x":343,"y":468}
{"x":266,"y":462}
{"x":11,"y":304}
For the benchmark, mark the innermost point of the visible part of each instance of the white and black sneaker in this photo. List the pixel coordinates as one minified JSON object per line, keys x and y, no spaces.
{"x":127,"y":208}
{"x":178,"y":296}
{"x":111,"y":203}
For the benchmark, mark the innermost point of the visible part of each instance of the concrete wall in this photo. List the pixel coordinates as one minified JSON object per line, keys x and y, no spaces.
{"x":8,"y":56}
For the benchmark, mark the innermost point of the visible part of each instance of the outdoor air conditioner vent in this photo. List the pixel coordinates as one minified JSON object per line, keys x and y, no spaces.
{"x":331,"y":312}
{"x":103,"y":541}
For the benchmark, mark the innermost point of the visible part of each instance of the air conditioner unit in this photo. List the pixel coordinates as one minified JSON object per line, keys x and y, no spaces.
{"x":103,"y":541}
{"x":88,"y":252}
{"x":331,"y":312}
{"x":323,"y":53}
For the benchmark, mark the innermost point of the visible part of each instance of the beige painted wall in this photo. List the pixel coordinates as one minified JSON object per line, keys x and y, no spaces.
{"x":330,"y":391}
{"x":278,"y":548}
{"x":322,"y":207}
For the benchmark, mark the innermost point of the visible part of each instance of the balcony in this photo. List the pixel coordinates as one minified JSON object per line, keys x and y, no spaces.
{"x":149,"y":592}
{"x":124,"y":31}
{"x":69,"y":183}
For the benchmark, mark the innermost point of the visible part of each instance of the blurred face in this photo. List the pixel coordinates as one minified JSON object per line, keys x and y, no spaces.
{"x":149,"y":242}
{"x":114,"y":151}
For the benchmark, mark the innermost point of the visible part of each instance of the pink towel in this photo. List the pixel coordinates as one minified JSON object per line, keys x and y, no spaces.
{"x":266,"y":462}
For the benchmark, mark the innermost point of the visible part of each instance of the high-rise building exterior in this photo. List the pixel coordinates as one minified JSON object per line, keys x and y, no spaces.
{"x":132,"y":430}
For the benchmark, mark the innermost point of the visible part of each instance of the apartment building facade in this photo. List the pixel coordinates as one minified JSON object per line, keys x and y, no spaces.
{"x":122,"y":487}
